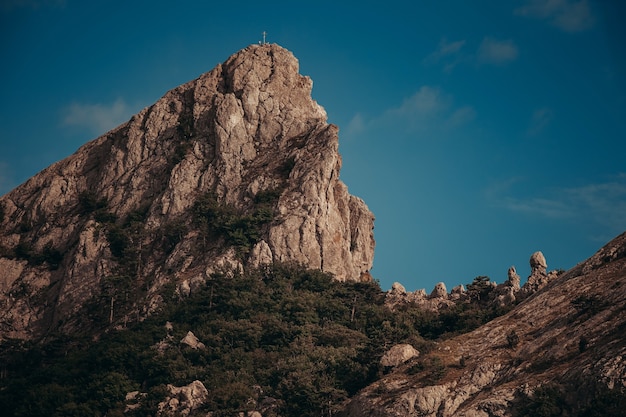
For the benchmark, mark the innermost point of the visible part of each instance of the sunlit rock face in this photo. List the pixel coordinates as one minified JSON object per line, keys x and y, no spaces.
{"x":126,"y":210}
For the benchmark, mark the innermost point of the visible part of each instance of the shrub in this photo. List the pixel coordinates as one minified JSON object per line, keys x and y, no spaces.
{"x":88,"y":202}
{"x":582,"y":344}
{"x":589,"y":304}
{"x":546,"y":401}
{"x":512,"y":339}
{"x":238,"y":228}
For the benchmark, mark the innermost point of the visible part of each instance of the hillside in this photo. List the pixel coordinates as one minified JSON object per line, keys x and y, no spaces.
{"x":560,"y":352}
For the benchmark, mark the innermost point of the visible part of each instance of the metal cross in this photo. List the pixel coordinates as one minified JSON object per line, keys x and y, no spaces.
{"x":264,"y":33}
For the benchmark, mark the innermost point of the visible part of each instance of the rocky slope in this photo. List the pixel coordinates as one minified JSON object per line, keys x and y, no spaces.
{"x":566,"y":339}
{"x":237,"y":168}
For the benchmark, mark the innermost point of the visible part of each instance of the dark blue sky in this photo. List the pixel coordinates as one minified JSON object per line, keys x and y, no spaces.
{"x":476,"y":135}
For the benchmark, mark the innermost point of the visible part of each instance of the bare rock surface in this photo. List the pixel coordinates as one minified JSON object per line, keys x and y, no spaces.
{"x":246,"y":137}
{"x":182,"y":401}
{"x":192,"y":341}
{"x":482,"y":373}
{"x":398,"y":354}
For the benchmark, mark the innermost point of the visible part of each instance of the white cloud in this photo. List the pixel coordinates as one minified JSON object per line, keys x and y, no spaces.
{"x":98,"y":118}
{"x":493,"y":51}
{"x":429,"y":108}
{"x":540,"y":119}
{"x":602,"y":204}
{"x":426,"y":101}
{"x":567,"y":15}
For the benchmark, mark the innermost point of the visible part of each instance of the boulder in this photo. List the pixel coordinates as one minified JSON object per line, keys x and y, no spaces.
{"x":182,"y":401}
{"x":398,"y":289}
{"x":192,"y":341}
{"x":398,"y":354}
{"x":440,"y":291}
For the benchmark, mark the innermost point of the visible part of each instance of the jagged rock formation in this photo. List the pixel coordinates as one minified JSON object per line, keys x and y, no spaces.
{"x":183,"y":400}
{"x":234,"y":169}
{"x":505,"y":294}
{"x":567,"y":336}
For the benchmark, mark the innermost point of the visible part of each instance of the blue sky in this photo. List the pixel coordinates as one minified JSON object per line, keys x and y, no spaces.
{"x":476,"y":134}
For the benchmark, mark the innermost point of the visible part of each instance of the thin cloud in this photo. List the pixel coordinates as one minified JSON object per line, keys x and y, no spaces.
{"x":493,"y":51}
{"x":429,"y":108}
{"x":426,"y":101}
{"x":540,"y":119}
{"x":356,"y":125}
{"x":447,"y":53}
{"x":490,"y":51}
{"x":602,"y":203}
{"x":98,"y":118}
{"x":567,"y":15}
{"x":462,"y":116}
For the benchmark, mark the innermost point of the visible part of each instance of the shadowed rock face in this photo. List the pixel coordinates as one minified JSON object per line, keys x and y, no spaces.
{"x":568,"y":334}
{"x":124,"y":211}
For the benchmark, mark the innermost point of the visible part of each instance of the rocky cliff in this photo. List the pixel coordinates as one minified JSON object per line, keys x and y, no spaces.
{"x":237,"y":168}
{"x":560,"y":350}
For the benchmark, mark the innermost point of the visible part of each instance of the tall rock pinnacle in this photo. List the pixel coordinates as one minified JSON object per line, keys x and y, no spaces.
{"x":232,"y":170}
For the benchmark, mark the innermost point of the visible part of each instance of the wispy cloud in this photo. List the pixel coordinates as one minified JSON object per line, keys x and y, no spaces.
{"x":540,"y":119}
{"x":426,"y":101}
{"x":98,"y":118}
{"x":427,"y":109}
{"x":447,"y":53}
{"x":497,"y":52}
{"x":462,"y":116}
{"x":567,"y":15}
{"x":602,"y":204}
{"x":490,"y":51}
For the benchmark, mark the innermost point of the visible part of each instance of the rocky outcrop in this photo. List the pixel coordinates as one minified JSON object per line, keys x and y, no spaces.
{"x":440,"y":291}
{"x":192,"y":341}
{"x":182,"y":401}
{"x":233,"y":170}
{"x":566,"y":335}
{"x":505,"y":295}
{"x":398,"y":354}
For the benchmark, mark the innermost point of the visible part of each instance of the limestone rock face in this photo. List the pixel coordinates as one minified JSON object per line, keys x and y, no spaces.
{"x":244,"y":143}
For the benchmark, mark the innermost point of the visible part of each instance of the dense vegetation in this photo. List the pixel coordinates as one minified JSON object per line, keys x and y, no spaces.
{"x":239,"y":229}
{"x":283,"y":340}
{"x":289,"y":340}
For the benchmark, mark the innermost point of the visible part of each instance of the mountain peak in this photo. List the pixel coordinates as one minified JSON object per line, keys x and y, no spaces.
{"x":235,"y":169}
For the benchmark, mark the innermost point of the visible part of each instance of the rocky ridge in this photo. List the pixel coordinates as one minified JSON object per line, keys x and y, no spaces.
{"x":567,"y":337}
{"x":506,"y":294}
{"x":235,"y":169}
